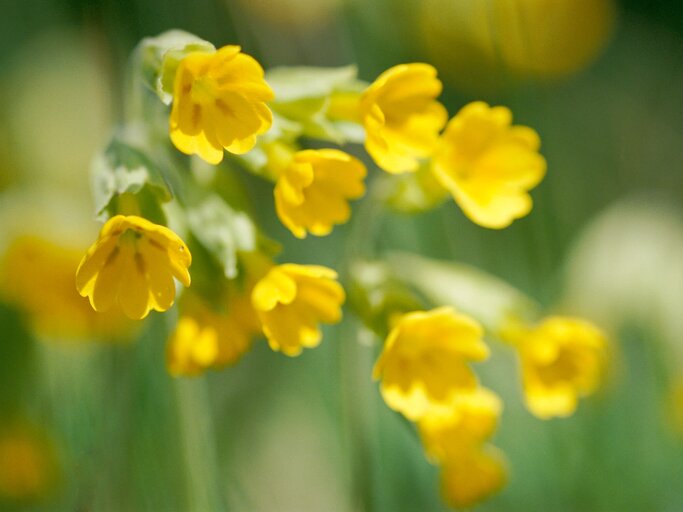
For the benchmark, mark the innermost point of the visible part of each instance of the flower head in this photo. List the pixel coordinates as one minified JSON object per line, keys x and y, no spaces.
{"x":133,"y":264}
{"x":312,"y":193}
{"x":401,"y":116}
{"x":473,"y":476}
{"x":488,"y":165}
{"x":219,"y":102}
{"x":424,"y":364}
{"x":471,"y":421}
{"x":562,"y":359}
{"x":204,"y":338}
{"x":291,"y":300}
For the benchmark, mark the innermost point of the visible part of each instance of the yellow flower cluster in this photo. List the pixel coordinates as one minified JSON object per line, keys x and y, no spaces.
{"x":486,"y":164}
{"x":425,"y":375}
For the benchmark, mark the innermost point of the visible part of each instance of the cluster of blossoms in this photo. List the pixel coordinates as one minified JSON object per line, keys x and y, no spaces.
{"x":222,"y":101}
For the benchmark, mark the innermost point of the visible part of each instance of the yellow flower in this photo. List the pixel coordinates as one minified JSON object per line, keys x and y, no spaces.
{"x":401,"y":117}
{"x":291,"y":300}
{"x":206,"y":339}
{"x":471,"y":421}
{"x":423,"y":366}
{"x":313,"y":191}
{"x":473,"y":476}
{"x":219,"y":102}
{"x":488,"y":165}
{"x":38,"y":276}
{"x":562,"y":359}
{"x":133,"y":264}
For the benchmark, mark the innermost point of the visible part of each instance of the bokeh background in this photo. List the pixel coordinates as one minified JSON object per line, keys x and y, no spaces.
{"x":93,"y":425}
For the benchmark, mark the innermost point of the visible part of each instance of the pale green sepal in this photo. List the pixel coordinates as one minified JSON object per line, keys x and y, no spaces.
{"x":488,"y":299}
{"x":222,"y":231}
{"x":297,"y":83}
{"x":123,"y":168}
{"x":158,"y":58}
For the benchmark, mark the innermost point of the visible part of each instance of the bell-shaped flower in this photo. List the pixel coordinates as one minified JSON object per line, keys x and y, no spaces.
{"x":424,"y":365}
{"x":401,"y":116}
{"x":312,"y":193}
{"x":292,"y":300}
{"x":219,"y":102}
{"x":133,"y":264}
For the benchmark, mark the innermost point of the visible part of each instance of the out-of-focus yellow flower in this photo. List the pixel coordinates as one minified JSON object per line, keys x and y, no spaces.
{"x":205,"y":338}
{"x":473,"y":476}
{"x":562,"y":359}
{"x":491,"y":44}
{"x":312,"y":193}
{"x":401,"y":116}
{"x":291,"y":300}
{"x":38,"y":276}
{"x":219,"y":101}
{"x":28,"y":463}
{"x":133,"y":264}
{"x":472,"y":419}
{"x":424,"y":364}
{"x":488,"y":165}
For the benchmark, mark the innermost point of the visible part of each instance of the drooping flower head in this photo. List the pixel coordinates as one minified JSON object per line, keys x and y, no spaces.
{"x":219,"y":102}
{"x":401,"y":116}
{"x":488,"y":165}
{"x":133,"y":264}
{"x":292,"y":300}
{"x":562,"y":359}
{"x":312,"y":193}
{"x":206,"y":338}
{"x":424,"y":364}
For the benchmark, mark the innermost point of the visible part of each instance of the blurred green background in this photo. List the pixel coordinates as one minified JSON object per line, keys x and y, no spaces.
{"x":602,"y":84}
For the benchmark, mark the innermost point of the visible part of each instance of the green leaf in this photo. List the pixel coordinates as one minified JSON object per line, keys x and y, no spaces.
{"x":223,"y":231}
{"x":123,"y":168}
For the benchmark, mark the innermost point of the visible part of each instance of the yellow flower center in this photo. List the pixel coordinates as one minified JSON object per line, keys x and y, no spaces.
{"x":204,"y":90}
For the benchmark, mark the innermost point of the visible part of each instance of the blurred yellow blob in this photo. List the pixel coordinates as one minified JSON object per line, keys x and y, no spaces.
{"x":204,"y":338}
{"x":219,"y":102}
{"x":473,"y":476}
{"x":562,"y":359}
{"x":133,"y":264}
{"x":291,"y":300}
{"x":401,"y":116}
{"x":471,"y":421}
{"x":488,"y":165}
{"x":28,"y":465}
{"x":489,"y":43}
{"x":424,"y":364}
{"x":313,"y":192}
{"x":38,"y":276}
